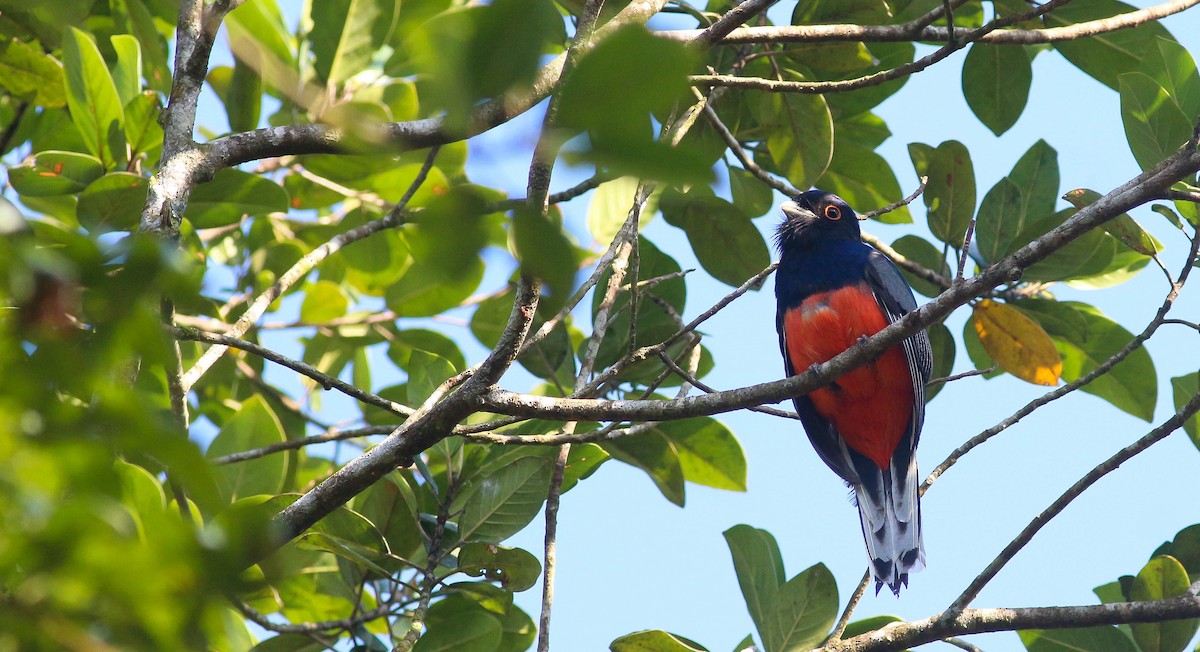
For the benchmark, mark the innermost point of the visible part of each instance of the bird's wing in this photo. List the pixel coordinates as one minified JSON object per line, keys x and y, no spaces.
{"x":896,"y":299}
{"x":826,"y":440}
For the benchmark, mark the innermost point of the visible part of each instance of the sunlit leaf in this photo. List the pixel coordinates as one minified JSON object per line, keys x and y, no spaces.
{"x":1155,"y":124}
{"x":92,"y":97}
{"x":55,"y":173}
{"x":654,"y":640}
{"x":1161,"y":578}
{"x":31,"y":75}
{"x":800,"y":135}
{"x":1105,"y":56}
{"x":1104,"y":637}
{"x":1183,"y":388}
{"x":1017,"y":343}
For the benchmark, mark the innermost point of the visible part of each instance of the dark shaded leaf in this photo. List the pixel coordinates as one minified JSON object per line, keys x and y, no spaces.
{"x":1155,"y":124}
{"x":724,"y":239}
{"x":759,"y":568}
{"x":1090,"y":639}
{"x":231,"y":194}
{"x":113,"y":202}
{"x":996,"y":81}
{"x":922,"y":252}
{"x":515,"y":569}
{"x":1183,"y":388}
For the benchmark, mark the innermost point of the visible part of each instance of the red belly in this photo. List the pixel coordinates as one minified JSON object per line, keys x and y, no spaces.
{"x":871,"y":406}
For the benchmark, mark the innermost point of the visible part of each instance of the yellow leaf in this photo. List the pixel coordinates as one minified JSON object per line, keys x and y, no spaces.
{"x":1017,"y":343}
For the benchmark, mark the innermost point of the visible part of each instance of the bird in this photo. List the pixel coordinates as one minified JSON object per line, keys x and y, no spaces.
{"x":832,"y":291}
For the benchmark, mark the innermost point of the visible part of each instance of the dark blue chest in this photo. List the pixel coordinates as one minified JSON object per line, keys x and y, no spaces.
{"x":804,"y":271}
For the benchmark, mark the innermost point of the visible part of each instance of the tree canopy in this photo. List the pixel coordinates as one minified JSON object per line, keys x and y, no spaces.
{"x":283,"y":373}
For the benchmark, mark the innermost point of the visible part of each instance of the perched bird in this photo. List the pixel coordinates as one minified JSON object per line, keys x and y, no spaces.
{"x":832,"y":291}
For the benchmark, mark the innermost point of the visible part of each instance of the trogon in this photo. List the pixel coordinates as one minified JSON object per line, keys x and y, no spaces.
{"x":832,"y":291}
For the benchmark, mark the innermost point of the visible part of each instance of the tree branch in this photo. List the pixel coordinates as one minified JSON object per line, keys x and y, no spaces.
{"x":912,"y":31}
{"x":1139,"y":190}
{"x":900,"y":636}
{"x":1124,"y":455}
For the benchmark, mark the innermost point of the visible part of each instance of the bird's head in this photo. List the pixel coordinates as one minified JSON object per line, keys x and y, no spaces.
{"x":816,"y":215}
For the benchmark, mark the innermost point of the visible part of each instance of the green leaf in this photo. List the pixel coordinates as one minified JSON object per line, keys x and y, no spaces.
{"x":653,"y":453}
{"x":231,"y":194}
{"x":1000,"y":221}
{"x":544,"y":250}
{"x":1105,"y":56}
{"x":497,"y":506}
{"x":426,"y":371}
{"x":922,"y":252}
{"x":403,"y":343}
{"x":801,"y":612}
{"x":55,"y":173}
{"x":709,"y":454}
{"x":610,"y":206}
{"x":341,"y":36}
{"x":725,"y":241}
{"x":1085,"y":338}
{"x":258,"y":34}
{"x":1036,"y":175}
{"x":655,"y":323}
{"x":1183,"y":388}
{"x":127,"y":75}
{"x":1161,"y":578}
{"x":654,"y":640}
{"x":1122,"y":227}
{"x":96,"y":108}
{"x":113,"y":202}
{"x":135,"y":18}
{"x":470,"y":53}
{"x":800,"y":134}
{"x":428,"y":288}
{"x":323,"y":301}
{"x":864,"y":179}
{"x":519,"y":631}
{"x":253,"y":426}
{"x":472,"y":630}
{"x":995,"y":81}
{"x":141,"y":124}
{"x":391,"y":507}
{"x":869,"y":624}
{"x":979,"y":357}
{"x":950,"y":193}
{"x":1104,"y":638}
{"x":1155,"y":124}
{"x":1172,"y":66}
{"x":1186,"y":548}
{"x":1085,"y":256}
{"x":750,"y":194}
{"x":31,"y":75}
{"x":515,"y":569}
{"x":943,"y":357}
{"x":759,"y":568}
{"x":620,"y":135}
{"x":240,"y":89}
{"x":546,"y":358}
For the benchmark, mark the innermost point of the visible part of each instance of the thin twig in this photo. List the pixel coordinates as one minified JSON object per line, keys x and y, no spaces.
{"x":1059,"y":392}
{"x":324,"y":380}
{"x":877,"y":78}
{"x":965,"y":374}
{"x":1091,"y":477}
{"x":844,"y":619}
{"x":921,"y":181}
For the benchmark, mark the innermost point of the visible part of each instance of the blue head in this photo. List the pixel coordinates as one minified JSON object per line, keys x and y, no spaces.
{"x":814,"y":216}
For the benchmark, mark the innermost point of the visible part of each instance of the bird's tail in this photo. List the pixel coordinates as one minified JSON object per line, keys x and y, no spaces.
{"x":889,"y":508}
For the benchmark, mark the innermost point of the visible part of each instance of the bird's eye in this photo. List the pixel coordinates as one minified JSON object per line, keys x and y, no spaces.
{"x":833,"y":212}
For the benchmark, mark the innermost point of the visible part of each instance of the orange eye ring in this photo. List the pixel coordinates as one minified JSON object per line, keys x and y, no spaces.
{"x":832,"y":212}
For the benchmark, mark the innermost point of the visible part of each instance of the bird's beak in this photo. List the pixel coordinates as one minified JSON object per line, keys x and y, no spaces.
{"x":795,"y":212}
